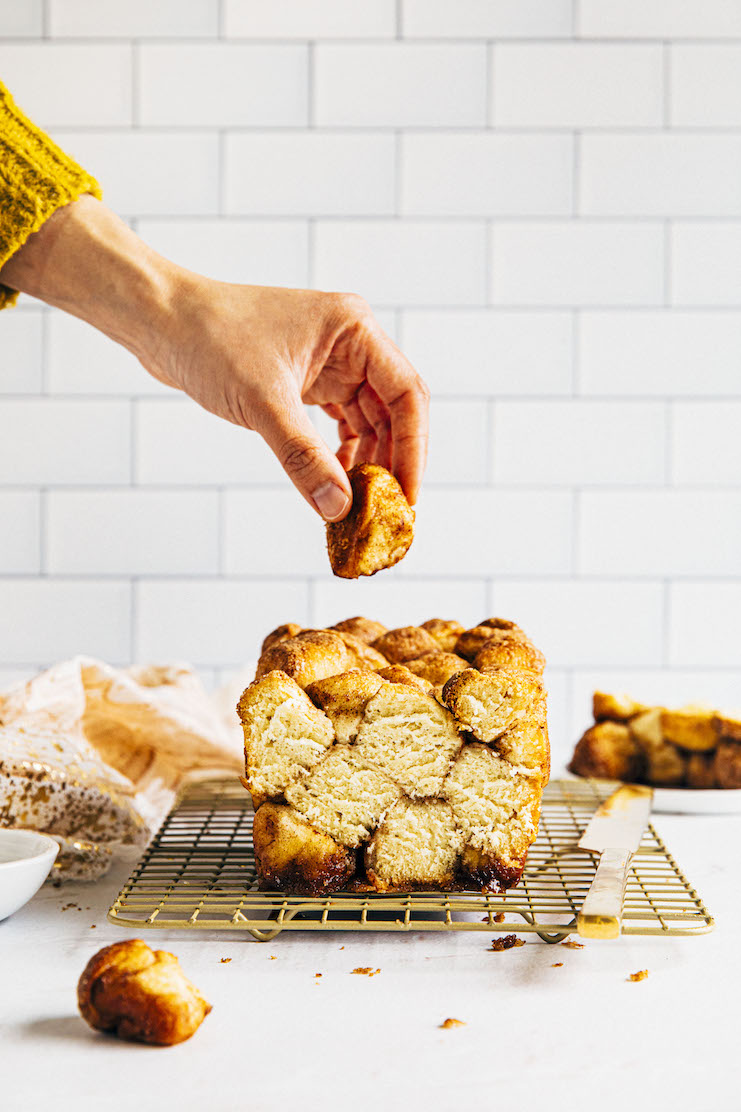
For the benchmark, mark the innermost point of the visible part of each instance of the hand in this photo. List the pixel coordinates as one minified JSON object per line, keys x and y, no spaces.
{"x":256,"y":355}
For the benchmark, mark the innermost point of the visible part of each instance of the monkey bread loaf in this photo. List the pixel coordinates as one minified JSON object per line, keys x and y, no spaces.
{"x":383,"y":760}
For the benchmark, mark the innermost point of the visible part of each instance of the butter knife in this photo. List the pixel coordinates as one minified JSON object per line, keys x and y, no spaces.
{"x":614,"y":831}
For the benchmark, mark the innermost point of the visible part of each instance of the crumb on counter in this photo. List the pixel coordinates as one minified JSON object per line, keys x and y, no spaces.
{"x":639,"y":976}
{"x":273,"y":957}
{"x":365,"y":970}
{"x":573,"y":945}
{"x":506,"y":942}
{"x":224,"y":960}
{"x":556,"y":965}
{"x":450,"y":1022}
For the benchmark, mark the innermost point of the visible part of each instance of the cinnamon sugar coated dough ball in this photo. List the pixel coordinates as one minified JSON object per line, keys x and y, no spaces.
{"x":377,"y":531}
{"x":399,"y":673}
{"x":361,"y":654}
{"x":311,"y":655}
{"x":137,"y":993}
{"x":445,"y":632}
{"x":343,"y":699}
{"x":509,"y":652}
{"x":405,"y":643}
{"x":364,"y":628}
{"x":488,"y":704}
{"x":282,"y":633}
{"x":437,"y":667}
{"x":607,"y":751}
{"x":471,"y":641}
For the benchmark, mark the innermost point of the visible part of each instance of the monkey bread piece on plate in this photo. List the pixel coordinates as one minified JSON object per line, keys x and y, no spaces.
{"x":617,"y":708}
{"x":727,"y":764}
{"x":383,"y":778}
{"x":141,"y":994}
{"x":377,"y":531}
{"x":607,"y":751}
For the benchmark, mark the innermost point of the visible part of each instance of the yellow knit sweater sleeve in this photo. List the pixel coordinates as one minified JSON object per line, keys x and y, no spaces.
{"x":36,"y":178}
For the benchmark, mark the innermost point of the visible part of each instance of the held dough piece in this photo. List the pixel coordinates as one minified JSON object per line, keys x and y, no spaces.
{"x":445,"y":632}
{"x":410,"y":737}
{"x":489,"y":704}
{"x":140,"y":994}
{"x":690,"y":728}
{"x":379,"y":528}
{"x":344,"y":796}
{"x":282,"y":633}
{"x":437,"y":667}
{"x":291,"y":856}
{"x":311,"y":655}
{"x":399,"y":673}
{"x":343,"y":699}
{"x":511,"y":652}
{"x":417,"y":846}
{"x":285,"y":735}
{"x":364,"y":628}
{"x":405,"y":643}
{"x":608,"y":751}
{"x":498,"y":810}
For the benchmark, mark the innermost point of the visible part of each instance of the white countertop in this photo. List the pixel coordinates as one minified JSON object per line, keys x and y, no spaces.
{"x":280,"y":1038}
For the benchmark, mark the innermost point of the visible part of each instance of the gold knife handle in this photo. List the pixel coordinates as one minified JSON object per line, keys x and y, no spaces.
{"x":601,"y":915}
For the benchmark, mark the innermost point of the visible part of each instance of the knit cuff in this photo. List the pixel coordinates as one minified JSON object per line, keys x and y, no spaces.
{"x":36,"y":178}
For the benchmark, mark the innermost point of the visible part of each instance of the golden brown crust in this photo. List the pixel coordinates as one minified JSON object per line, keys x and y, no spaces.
{"x":364,"y":628}
{"x":728,"y":726}
{"x":137,"y":993}
{"x":471,"y":641}
{"x":437,"y":667}
{"x":701,"y":771}
{"x":727,"y":764}
{"x":607,"y":751}
{"x":616,"y":708}
{"x":512,"y":652}
{"x":690,"y":728}
{"x":361,"y":654}
{"x":488,"y":704}
{"x":282,"y":633}
{"x":309,"y":656}
{"x":291,"y":856}
{"x":377,"y":531}
{"x":399,"y":673}
{"x":445,"y":631}
{"x":405,"y":643}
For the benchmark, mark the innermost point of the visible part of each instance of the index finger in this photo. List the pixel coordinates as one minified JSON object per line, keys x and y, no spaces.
{"x":407,"y":399}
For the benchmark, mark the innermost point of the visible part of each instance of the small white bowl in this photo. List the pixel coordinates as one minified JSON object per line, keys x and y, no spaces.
{"x":26,"y":859}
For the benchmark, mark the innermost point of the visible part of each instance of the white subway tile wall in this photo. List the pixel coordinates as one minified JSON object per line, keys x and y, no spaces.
{"x":542,"y":201}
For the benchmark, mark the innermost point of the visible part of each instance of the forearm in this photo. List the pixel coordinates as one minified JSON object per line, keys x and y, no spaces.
{"x":85,"y":260}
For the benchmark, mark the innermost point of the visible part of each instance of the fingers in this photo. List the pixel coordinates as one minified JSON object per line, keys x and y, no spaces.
{"x":349,"y":440}
{"x":363,"y":429}
{"x":377,"y":415}
{"x":404,"y":395}
{"x":310,"y":465}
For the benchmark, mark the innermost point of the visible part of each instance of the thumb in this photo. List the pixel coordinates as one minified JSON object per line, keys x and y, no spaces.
{"x":313,"y":469}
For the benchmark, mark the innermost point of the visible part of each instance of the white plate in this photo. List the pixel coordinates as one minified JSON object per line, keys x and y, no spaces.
{"x":688,"y":801}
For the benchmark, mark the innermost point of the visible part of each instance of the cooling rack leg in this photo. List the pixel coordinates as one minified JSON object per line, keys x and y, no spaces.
{"x":265,"y":936}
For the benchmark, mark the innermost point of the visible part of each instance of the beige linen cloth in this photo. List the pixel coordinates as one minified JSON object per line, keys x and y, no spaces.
{"x":93,"y":755}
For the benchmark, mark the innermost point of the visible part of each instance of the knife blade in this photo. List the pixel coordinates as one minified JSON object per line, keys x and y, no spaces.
{"x":614,"y":831}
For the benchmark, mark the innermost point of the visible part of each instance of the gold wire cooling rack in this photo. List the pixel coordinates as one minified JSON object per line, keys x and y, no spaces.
{"x":199,"y":873}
